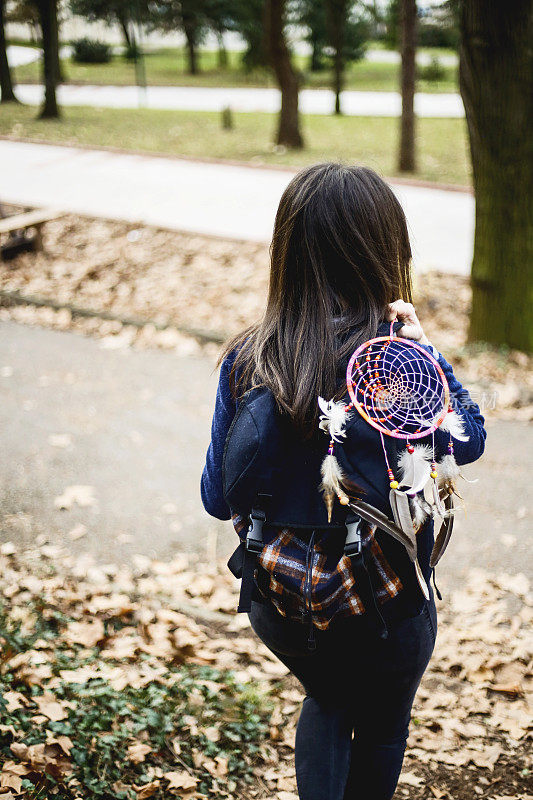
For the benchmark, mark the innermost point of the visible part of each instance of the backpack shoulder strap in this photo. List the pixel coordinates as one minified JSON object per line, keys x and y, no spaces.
{"x":243,"y":561}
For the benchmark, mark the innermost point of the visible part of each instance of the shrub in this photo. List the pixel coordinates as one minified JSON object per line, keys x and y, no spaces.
{"x":438,"y":34}
{"x":132,"y":51}
{"x":90,"y":51}
{"x":434,"y":71}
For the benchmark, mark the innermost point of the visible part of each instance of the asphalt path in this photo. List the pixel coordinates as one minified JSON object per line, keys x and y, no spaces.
{"x":236,"y":202}
{"x":18,"y":55}
{"x":134,"y":426}
{"x":255,"y":99}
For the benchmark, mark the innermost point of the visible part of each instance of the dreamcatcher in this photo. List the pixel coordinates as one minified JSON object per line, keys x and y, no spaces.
{"x":401,"y":391}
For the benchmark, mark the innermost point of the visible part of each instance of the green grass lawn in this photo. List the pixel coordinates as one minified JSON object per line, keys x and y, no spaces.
{"x":442,"y":150}
{"x":166,"y":66}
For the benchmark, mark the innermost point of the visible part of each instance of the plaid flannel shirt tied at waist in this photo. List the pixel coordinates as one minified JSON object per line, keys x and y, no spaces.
{"x":287,"y":566}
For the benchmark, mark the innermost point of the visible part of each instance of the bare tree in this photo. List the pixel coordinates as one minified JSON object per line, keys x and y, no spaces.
{"x":48,"y":21}
{"x":192,"y":30}
{"x":7,"y":95}
{"x":336,"y":13}
{"x":289,"y":120}
{"x":496,"y":81}
{"x":407,"y":159}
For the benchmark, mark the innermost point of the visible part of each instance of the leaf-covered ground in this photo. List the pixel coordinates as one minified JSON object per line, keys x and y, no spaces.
{"x":136,"y":683}
{"x":220,"y":286}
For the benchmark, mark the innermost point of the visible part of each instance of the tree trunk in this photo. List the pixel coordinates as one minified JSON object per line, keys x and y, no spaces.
{"x":190,"y":36}
{"x":123,"y":22}
{"x":48,"y":18}
{"x":407,"y":160}
{"x":59,"y":69}
{"x":337,"y":12}
{"x":495,"y":76}
{"x":7,"y":95}
{"x":289,"y":121}
{"x":338,"y":73}
{"x":315,"y":62}
{"x":222,"y":52}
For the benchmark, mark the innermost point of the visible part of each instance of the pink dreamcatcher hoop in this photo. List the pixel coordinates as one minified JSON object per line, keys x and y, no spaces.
{"x":398,"y":388}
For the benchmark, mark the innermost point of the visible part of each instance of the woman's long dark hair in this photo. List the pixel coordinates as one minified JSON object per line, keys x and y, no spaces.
{"x":340,"y":253}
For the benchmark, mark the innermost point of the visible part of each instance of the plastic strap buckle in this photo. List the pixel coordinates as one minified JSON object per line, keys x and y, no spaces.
{"x":353,"y":545}
{"x":254,"y":537}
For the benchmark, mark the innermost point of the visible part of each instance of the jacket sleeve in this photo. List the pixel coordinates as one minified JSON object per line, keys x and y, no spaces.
{"x":211,"y":482}
{"x":473,"y":420}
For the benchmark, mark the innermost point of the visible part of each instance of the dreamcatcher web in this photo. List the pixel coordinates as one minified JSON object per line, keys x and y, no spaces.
{"x":398,"y":387}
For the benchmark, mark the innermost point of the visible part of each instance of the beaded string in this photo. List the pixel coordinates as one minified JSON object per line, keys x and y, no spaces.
{"x":434,"y":472}
{"x":450,"y":442}
{"x":392,"y":480}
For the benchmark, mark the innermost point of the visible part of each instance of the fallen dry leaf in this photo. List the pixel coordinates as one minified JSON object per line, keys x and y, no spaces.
{"x":49,"y":707}
{"x":180,"y":780}
{"x":411,"y":779}
{"x":60,"y":439}
{"x":15,"y":700}
{"x":8,"y":780}
{"x":138,"y":751}
{"x":147,"y":790}
{"x":87,"y":633}
{"x":80,"y":495}
{"x":77,"y":532}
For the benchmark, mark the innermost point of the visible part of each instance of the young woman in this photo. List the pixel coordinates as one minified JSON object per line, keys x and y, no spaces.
{"x":340,"y":266}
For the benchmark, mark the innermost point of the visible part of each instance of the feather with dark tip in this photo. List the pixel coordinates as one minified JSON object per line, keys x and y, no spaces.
{"x":331,"y":486}
{"x":378,"y":518}
{"x":443,"y":537}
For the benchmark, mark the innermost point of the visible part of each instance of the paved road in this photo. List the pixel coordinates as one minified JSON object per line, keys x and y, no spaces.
{"x":194,"y":98}
{"x":18,"y":55}
{"x":139,"y":423}
{"x":220,"y":199}
{"x":423,"y":58}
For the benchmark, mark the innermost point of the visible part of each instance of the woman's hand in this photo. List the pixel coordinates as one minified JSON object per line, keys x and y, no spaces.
{"x":405,"y":312}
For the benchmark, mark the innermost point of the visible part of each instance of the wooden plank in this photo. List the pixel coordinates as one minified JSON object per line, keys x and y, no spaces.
{"x":28,"y":219}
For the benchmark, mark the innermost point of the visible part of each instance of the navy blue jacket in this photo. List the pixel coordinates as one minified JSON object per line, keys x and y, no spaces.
{"x":465,"y":452}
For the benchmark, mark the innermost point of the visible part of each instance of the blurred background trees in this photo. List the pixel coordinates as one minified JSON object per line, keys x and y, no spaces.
{"x":247,"y":19}
{"x":495,"y":83}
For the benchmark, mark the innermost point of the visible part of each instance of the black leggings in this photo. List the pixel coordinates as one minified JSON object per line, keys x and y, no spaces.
{"x":354,"y":723}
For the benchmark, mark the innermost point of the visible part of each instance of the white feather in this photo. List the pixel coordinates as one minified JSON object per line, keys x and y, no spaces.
{"x":331,"y":486}
{"x":333,"y":419}
{"x":332,"y":476}
{"x":454,"y":424}
{"x":420,"y":510}
{"x":415,"y":468}
{"x":448,"y":470}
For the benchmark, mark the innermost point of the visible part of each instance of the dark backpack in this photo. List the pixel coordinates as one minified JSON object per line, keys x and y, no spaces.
{"x":271,"y":483}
